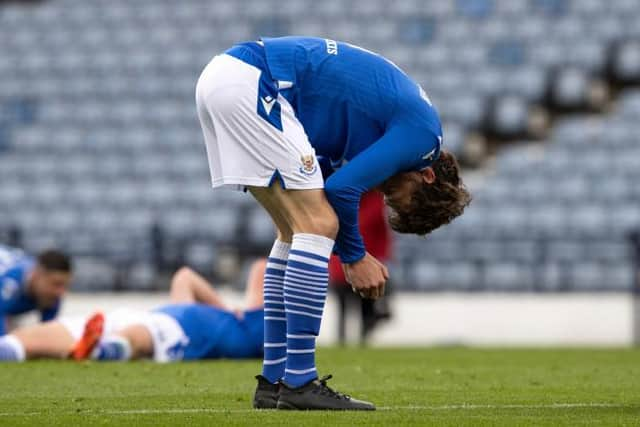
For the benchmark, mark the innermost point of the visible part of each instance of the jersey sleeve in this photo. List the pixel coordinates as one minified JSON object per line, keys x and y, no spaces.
{"x":5,"y":300}
{"x":50,"y":313}
{"x":400,"y":149}
{"x":9,"y":289}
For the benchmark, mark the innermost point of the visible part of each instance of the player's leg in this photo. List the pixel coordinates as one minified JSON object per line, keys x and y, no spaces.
{"x":180,"y":290}
{"x":91,"y":334}
{"x":130,"y":343}
{"x":45,"y":340}
{"x":119,"y":335}
{"x":314,"y":226}
{"x":137,"y":334}
{"x":134,"y":334}
{"x":294,"y":212}
{"x":275,"y":326}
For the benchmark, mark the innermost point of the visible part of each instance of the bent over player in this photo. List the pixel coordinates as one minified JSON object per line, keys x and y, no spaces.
{"x":271,"y":111}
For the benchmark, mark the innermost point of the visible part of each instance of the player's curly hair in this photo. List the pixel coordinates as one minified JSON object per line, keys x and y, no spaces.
{"x":436,"y":204}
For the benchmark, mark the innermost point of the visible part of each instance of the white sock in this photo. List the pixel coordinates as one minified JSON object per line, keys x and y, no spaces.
{"x":112,"y":347}
{"x":11,"y":349}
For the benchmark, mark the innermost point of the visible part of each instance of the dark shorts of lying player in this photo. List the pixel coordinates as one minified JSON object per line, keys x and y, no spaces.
{"x":196,"y":324}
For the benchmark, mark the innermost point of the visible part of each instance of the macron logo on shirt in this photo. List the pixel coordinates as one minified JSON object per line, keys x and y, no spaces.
{"x":267,"y":103}
{"x":429,"y":156}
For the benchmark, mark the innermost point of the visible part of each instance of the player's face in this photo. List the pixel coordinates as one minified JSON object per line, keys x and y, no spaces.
{"x":49,"y":286}
{"x":399,"y":189}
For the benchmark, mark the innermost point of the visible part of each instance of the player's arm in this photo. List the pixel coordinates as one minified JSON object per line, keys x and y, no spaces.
{"x":5,"y":300}
{"x":187,"y":286}
{"x":50,"y":313}
{"x":398,"y":150}
{"x":254,"y":298}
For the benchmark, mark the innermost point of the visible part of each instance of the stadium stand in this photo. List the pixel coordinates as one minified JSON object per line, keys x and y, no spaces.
{"x":101,"y":152}
{"x":556,"y":217}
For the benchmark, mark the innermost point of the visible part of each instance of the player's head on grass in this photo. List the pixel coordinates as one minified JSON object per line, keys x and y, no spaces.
{"x":50,"y":278}
{"x":422,"y":201}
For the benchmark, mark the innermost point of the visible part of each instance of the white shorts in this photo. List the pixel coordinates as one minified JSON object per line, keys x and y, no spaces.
{"x":167,"y":335}
{"x":251,"y":137}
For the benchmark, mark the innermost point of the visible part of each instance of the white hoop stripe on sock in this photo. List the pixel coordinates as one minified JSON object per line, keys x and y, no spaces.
{"x":301,"y":337}
{"x":312,"y":350}
{"x":274,"y":362}
{"x":319,"y":301}
{"x":302,"y":313}
{"x":300,"y":371}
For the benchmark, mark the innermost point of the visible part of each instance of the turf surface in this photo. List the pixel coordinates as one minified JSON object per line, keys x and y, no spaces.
{"x":447,"y":386}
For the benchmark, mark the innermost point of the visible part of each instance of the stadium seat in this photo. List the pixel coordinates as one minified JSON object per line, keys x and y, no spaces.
{"x":97,"y":101}
{"x":509,"y":276}
{"x":588,"y":276}
{"x":260,"y":227}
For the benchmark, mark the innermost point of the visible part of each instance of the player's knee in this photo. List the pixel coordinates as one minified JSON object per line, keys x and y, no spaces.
{"x":333,"y":224}
{"x":183,"y":273}
{"x":325,"y":224}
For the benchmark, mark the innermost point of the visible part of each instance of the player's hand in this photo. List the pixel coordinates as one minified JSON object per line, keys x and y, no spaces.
{"x":367,"y":276}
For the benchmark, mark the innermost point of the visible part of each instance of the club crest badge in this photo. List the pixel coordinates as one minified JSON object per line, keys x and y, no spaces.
{"x":309,"y":166}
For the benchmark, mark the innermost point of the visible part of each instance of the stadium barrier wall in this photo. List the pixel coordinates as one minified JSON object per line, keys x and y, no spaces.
{"x":481,"y":319}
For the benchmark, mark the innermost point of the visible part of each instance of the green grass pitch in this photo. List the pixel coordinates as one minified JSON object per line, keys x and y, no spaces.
{"x":440,"y":386}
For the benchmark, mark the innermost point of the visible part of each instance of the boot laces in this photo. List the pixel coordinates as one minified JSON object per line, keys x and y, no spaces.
{"x":328,"y":391}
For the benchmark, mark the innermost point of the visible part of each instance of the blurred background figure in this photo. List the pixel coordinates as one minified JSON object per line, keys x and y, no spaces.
{"x":195,"y":323}
{"x":32,"y":284}
{"x":378,"y":242}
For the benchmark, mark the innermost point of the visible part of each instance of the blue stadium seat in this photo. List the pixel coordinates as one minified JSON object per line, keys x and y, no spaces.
{"x":435,"y":276}
{"x":550,"y":276}
{"x":586,"y":276}
{"x":97,"y":100}
{"x":260,"y":227}
{"x":200,"y":256}
{"x":619,"y":276}
{"x":509,"y":276}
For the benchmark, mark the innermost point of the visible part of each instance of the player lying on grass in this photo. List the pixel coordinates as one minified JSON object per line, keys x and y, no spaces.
{"x":28,"y":283}
{"x":197,"y":324}
{"x":276,"y":111}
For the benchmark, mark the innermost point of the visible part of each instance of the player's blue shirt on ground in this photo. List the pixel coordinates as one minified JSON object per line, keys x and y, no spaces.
{"x":215,"y":333}
{"x":15,"y":267}
{"x":363,"y":116}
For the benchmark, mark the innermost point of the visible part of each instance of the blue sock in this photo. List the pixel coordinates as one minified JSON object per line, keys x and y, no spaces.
{"x":11,"y":349}
{"x":305,"y":291}
{"x":113,"y":347}
{"x":275,"y":322}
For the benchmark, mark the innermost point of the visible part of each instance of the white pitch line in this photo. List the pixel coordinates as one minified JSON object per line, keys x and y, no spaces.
{"x":506,"y":406}
{"x":462,"y":406}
